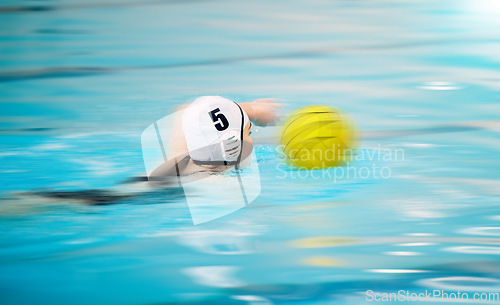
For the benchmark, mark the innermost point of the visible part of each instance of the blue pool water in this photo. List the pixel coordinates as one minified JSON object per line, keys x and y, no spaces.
{"x":419,"y":211}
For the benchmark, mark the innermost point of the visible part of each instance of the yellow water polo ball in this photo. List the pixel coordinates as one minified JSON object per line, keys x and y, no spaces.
{"x":316,"y":137}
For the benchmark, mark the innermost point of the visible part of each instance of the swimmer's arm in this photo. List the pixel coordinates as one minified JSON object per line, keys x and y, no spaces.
{"x":262,"y":112}
{"x":172,"y":167}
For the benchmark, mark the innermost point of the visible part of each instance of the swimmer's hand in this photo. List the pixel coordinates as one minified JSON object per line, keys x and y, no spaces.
{"x":263,"y":112}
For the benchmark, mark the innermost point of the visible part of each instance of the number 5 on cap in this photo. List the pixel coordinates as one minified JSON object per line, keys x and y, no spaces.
{"x":220,"y":120}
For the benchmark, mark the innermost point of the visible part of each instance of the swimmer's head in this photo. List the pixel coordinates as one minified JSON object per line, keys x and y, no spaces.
{"x":216,"y":129}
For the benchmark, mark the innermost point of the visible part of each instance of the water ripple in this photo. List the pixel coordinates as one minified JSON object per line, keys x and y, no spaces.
{"x":462,"y":283}
{"x":475,"y":250}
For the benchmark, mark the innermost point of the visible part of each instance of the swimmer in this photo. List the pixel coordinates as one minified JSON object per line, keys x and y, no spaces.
{"x":212,"y":134}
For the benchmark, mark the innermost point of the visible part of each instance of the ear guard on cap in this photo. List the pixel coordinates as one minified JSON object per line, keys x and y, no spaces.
{"x":230,"y":145}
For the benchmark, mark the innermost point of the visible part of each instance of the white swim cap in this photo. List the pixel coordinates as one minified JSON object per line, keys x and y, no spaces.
{"x":213,"y":128}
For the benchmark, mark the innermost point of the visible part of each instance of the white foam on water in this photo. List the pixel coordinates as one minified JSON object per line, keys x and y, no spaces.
{"x":214,"y":276}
